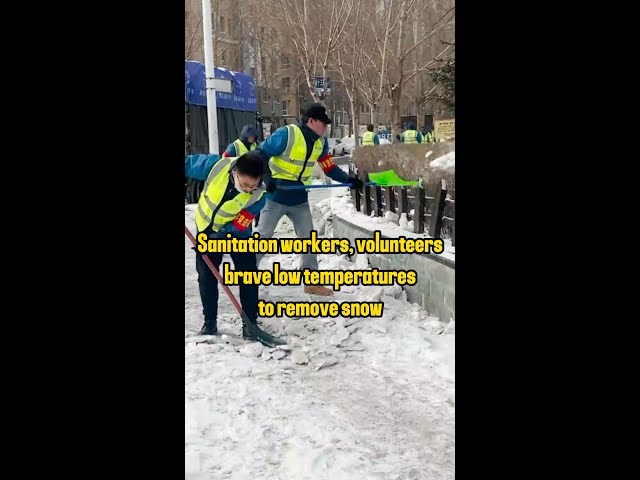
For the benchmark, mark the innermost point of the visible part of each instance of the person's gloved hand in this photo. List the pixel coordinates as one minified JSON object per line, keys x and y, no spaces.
{"x":356,"y":183}
{"x":246,"y":233}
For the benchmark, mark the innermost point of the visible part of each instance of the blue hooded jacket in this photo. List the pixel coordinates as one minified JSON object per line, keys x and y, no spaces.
{"x":247,"y":131}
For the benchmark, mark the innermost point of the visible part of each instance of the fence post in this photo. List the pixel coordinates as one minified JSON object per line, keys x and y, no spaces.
{"x":367,"y":194}
{"x":404,"y":201}
{"x":419,"y":205}
{"x":438,"y":210}
{"x":378,"y":196}
{"x":355,"y":193}
{"x":390,"y":199}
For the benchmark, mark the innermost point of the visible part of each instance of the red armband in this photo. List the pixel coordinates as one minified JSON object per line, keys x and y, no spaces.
{"x":326,"y":163}
{"x":243,"y":220}
{"x":226,"y":154}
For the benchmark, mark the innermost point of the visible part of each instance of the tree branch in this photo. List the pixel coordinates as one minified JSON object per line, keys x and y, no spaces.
{"x":409,"y":50}
{"x":412,"y":74}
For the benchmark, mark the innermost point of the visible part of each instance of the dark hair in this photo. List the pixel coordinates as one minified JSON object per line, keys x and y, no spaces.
{"x":370,"y":127}
{"x":250,"y":164}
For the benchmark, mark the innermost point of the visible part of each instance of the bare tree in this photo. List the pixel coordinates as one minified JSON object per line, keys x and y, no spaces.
{"x":397,"y":76}
{"x":314,"y":39}
{"x":192,"y":34}
{"x":400,"y":28}
{"x":383,"y":24}
{"x":355,"y":56}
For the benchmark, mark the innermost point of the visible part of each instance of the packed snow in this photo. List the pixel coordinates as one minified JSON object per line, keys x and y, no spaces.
{"x":355,"y":398}
{"x":445,"y":162}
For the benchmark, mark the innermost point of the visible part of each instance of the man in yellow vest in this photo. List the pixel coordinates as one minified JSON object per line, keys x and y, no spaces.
{"x":411,"y":135}
{"x":291,"y":152}
{"x":429,"y":136}
{"x":233,"y":194}
{"x":248,"y":141}
{"x":370,"y":138}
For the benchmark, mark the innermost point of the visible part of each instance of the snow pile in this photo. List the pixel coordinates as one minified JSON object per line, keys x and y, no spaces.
{"x":391,"y":216}
{"x":355,"y":398}
{"x":446,"y":162}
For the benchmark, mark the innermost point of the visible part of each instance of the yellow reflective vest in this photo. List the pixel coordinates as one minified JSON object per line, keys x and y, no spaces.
{"x":211,"y":210}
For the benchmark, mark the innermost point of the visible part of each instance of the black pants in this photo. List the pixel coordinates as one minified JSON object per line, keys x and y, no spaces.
{"x":209,"y":285}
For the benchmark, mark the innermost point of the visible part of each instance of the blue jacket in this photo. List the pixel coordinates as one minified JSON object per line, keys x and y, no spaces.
{"x":198,"y":166}
{"x":275,"y":145}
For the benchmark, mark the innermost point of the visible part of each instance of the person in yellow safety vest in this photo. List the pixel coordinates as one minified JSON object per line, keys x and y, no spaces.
{"x":370,"y":138}
{"x":233,"y":194}
{"x":291,"y":153}
{"x":427,"y":135}
{"x":411,"y":135}
{"x":248,"y":141}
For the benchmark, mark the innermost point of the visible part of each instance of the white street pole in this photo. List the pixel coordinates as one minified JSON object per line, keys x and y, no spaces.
{"x":212,"y":111}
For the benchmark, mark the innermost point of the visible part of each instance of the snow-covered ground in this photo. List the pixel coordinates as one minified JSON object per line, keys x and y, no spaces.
{"x":370,"y":398}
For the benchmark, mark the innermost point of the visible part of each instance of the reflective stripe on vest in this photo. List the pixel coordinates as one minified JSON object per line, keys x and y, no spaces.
{"x":367,"y":138}
{"x":241,"y":149}
{"x":410,"y":136}
{"x":291,"y":164}
{"x":209,"y":207}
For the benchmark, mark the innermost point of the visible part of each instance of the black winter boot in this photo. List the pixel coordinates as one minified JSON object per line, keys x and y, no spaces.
{"x":209,"y":328}
{"x":251,"y":331}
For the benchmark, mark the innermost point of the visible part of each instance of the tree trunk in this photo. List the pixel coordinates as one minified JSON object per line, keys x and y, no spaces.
{"x":396,"y":93}
{"x":396,"y":128}
{"x":354,"y":122}
{"x":417,"y":56}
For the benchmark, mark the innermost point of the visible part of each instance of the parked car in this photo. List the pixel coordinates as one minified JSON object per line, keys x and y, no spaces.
{"x":348,"y":144}
{"x":336,"y":148}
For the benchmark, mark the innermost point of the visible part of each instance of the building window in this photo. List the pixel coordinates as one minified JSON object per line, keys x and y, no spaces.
{"x":286,"y":84}
{"x":222,"y":24}
{"x":284,"y":107}
{"x":276,"y":96}
{"x":285,"y":62}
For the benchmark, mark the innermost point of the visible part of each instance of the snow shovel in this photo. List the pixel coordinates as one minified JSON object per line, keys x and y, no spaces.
{"x":251,"y":329}
{"x":387,"y":178}
{"x":335,"y":185}
{"x":346,"y":185}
